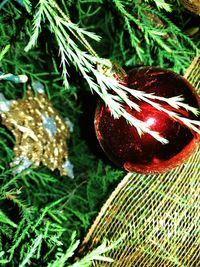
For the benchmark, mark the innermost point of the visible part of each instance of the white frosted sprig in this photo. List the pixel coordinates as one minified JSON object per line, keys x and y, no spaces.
{"x":104,"y":85}
{"x":117,"y":110}
{"x":38,"y":17}
{"x":61,"y":26}
{"x":192,"y":124}
{"x":80,"y":31}
{"x":175,"y":102}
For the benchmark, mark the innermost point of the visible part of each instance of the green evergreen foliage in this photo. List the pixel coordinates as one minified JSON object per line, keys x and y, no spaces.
{"x":39,"y":210}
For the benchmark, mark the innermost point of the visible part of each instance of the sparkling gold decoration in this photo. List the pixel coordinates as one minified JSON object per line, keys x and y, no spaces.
{"x":40,"y":133}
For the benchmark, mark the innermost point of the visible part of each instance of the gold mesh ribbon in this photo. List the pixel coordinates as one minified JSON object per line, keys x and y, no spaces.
{"x":159,"y":214}
{"x":192,"y":5}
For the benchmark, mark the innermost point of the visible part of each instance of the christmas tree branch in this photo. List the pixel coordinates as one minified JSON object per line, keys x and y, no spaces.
{"x":95,"y":255}
{"x":26,"y":4}
{"x":40,"y":209}
{"x":86,"y":64}
{"x":156,"y":30}
{"x":78,"y":32}
{"x":32,"y":250}
{"x":67,"y":47}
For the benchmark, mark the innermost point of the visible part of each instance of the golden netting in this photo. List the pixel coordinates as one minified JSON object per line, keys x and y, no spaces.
{"x":192,"y":5}
{"x":159,"y":214}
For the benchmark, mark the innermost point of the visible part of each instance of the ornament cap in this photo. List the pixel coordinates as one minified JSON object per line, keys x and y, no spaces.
{"x":112,"y":69}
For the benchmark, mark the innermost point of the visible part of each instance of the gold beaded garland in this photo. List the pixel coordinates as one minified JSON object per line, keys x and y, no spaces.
{"x":41,"y":134}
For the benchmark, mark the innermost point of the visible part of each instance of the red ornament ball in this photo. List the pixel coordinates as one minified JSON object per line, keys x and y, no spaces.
{"x":144,"y":154}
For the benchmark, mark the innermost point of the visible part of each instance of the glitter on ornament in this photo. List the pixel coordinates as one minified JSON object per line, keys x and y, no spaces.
{"x":41,"y":134}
